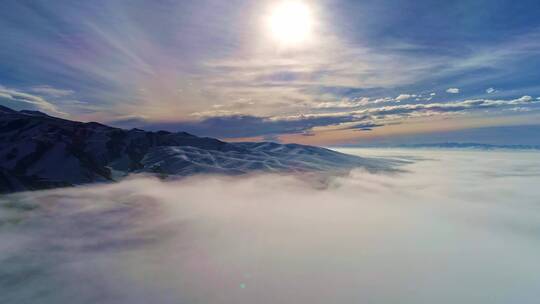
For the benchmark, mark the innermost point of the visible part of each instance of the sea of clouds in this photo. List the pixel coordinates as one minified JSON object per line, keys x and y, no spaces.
{"x":453,"y":227}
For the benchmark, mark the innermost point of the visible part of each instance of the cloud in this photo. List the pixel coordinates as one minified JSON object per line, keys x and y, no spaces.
{"x":491,"y":90}
{"x":353,"y":102}
{"x":51,"y":91}
{"x":458,"y":106}
{"x":522,"y":100}
{"x":243,"y":125}
{"x":24,"y":101}
{"x":404,"y":97}
{"x":367,"y":126}
{"x":520,"y":109}
{"x":222,"y":124}
{"x":439,"y":107}
{"x":299,"y":77}
{"x":283,"y":238}
{"x":344,"y":103}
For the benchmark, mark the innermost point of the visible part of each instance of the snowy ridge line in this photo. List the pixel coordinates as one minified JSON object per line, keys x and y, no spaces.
{"x":38,"y":151}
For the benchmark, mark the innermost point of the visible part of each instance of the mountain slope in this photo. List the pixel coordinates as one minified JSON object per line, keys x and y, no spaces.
{"x":38,"y":151}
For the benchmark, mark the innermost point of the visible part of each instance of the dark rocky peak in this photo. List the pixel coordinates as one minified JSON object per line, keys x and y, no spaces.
{"x":6,"y":110}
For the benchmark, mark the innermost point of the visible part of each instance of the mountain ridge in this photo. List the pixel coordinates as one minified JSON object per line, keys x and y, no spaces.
{"x":38,"y":151}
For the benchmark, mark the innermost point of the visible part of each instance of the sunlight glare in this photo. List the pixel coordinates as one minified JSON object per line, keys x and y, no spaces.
{"x":291,"y":23}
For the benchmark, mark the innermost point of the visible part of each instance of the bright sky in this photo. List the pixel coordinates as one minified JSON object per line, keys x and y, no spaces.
{"x":320,"y":71}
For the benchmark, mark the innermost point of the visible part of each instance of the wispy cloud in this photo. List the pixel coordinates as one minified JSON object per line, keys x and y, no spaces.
{"x":51,"y":91}
{"x":21,"y":100}
{"x":405,"y":97}
{"x":225,"y":125}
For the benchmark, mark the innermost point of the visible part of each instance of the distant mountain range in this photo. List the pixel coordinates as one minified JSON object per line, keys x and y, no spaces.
{"x":38,"y":151}
{"x":454,"y":145}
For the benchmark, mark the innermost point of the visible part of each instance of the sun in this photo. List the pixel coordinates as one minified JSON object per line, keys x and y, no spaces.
{"x":291,"y":23}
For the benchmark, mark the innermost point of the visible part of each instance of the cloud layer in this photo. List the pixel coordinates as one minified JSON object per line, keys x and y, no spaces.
{"x":342,"y":115}
{"x":458,"y":227}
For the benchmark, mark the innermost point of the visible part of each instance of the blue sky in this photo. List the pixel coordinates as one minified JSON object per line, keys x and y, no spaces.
{"x":364,"y":70}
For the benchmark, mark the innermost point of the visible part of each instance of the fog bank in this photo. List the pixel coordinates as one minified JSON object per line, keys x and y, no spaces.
{"x":455,"y":227}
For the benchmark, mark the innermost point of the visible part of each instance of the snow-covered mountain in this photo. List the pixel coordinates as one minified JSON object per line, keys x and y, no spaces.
{"x":38,"y":151}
